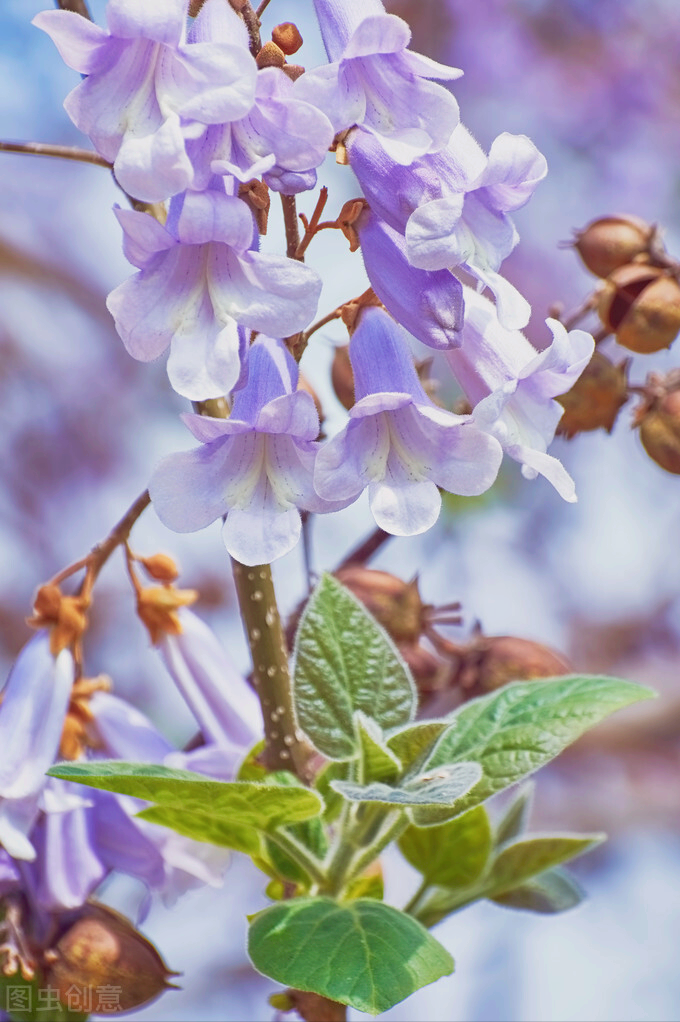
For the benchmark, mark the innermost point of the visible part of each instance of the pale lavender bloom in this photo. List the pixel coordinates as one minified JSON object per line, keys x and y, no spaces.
{"x":32,"y":713}
{"x":429,"y":304}
{"x":452,"y":206}
{"x":281,"y":138}
{"x":199,"y":280}
{"x":398,"y":442}
{"x":512,"y":386}
{"x":223,"y":703}
{"x":375,"y":81}
{"x":143,"y":82}
{"x":254,"y":467}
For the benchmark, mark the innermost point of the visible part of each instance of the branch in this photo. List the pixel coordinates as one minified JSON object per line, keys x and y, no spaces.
{"x":364,"y":551}
{"x":62,"y":152}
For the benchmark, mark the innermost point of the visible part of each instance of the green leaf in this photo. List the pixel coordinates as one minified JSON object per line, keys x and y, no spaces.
{"x":551,"y":892}
{"x":226,"y":813}
{"x":412,"y":744}
{"x":378,"y":762}
{"x":362,"y":953}
{"x":517,"y":729}
{"x":514,"y":821}
{"x":524,"y":859}
{"x":441,"y":787}
{"x":368,"y":885}
{"x":344,"y":662}
{"x":453,"y":854}
{"x":332,"y":771}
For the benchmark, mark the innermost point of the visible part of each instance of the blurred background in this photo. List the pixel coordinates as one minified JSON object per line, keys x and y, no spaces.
{"x":596,"y":85}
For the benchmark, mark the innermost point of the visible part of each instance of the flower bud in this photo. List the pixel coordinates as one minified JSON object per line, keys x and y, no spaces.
{"x":63,"y":615}
{"x":101,"y":950}
{"x":342,"y":377}
{"x":596,"y":398}
{"x":490,"y":663}
{"x":641,"y":305}
{"x":659,"y":421}
{"x":287,"y":37}
{"x":157,"y":607}
{"x":613,"y":241}
{"x":160,"y":567}
{"x":270,"y":55}
{"x":294,"y":71}
{"x":395,"y":604}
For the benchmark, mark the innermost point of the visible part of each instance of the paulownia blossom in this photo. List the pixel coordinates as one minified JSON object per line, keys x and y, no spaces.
{"x":254,"y":467}
{"x":398,"y":443}
{"x":199,"y":279}
{"x":282,"y":138}
{"x":144,"y":83}
{"x":374,"y":80}
{"x":452,"y":206}
{"x":512,"y":386}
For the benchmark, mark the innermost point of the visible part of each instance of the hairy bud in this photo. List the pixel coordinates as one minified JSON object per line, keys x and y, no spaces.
{"x":287,"y":37}
{"x":102,"y":950}
{"x":160,"y":567}
{"x":613,"y":241}
{"x":641,"y":305}
{"x":596,"y":398}
{"x":342,"y":377}
{"x":270,"y":55}
{"x":64,"y":615}
{"x":157,"y":607}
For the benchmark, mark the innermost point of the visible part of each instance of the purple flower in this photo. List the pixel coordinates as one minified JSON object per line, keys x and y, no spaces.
{"x":32,"y":712}
{"x":254,"y":467}
{"x":281,"y":138}
{"x":144,"y":84}
{"x":429,"y":304}
{"x":225,"y":706}
{"x":512,"y":386}
{"x":198,"y":279}
{"x":375,"y":81}
{"x":452,"y":207}
{"x":398,"y":442}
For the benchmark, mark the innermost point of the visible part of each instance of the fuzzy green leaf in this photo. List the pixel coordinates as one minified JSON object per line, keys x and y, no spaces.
{"x":363,"y":953}
{"x":344,"y":662}
{"x":549,"y":893}
{"x":440,"y":787}
{"x":452,"y":854}
{"x":520,"y":861}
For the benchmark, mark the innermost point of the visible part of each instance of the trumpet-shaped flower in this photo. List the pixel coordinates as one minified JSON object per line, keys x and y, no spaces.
{"x":32,"y":712}
{"x":144,"y":84}
{"x":398,"y":443}
{"x":453,"y":206}
{"x":512,"y":386}
{"x":254,"y":467}
{"x":374,"y":80}
{"x":429,"y":304}
{"x":199,"y":280}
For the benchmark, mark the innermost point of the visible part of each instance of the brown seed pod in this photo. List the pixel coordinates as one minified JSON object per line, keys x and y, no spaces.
{"x":342,"y":377}
{"x":613,"y":241}
{"x":394,"y":603}
{"x":287,"y":37}
{"x":489,"y":663}
{"x":105,"y":962}
{"x":596,"y":398}
{"x":270,"y":55}
{"x":641,"y":305}
{"x":430,"y":673}
{"x":660,"y":430}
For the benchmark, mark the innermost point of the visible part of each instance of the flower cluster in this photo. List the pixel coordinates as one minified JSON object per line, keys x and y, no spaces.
{"x":57,"y":845}
{"x":186,"y":113}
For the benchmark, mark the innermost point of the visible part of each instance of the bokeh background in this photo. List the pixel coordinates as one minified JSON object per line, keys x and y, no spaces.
{"x":596,"y":84}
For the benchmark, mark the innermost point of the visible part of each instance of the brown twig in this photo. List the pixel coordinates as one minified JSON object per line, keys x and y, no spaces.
{"x":262,"y":8}
{"x":120,"y":533}
{"x":313,"y":225}
{"x":251,"y":18}
{"x":78,"y":6}
{"x":62,"y":152}
{"x":589,"y":305}
{"x":366,"y":550}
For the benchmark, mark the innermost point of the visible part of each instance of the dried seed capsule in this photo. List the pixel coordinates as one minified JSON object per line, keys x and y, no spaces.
{"x":641,"y":305}
{"x":102,"y":951}
{"x":270,"y":55}
{"x":287,"y":37}
{"x":613,"y":241}
{"x":430,"y":673}
{"x":160,"y":567}
{"x":660,"y":431}
{"x":596,"y":398}
{"x":492,"y":662}
{"x":342,"y":377}
{"x":395,"y":604}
